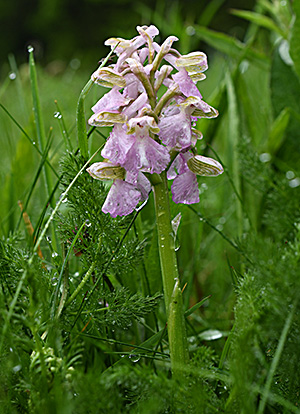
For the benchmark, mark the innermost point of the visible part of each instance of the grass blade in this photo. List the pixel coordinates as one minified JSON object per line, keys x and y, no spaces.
{"x":39,"y":122}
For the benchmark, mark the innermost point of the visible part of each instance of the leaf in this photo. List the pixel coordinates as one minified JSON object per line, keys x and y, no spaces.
{"x":277,"y":132}
{"x":260,"y":20}
{"x":285,"y":92}
{"x":230,"y":46}
{"x":195,"y":307}
{"x":39,"y":121}
{"x":210,"y":11}
{"x":295,"y":39}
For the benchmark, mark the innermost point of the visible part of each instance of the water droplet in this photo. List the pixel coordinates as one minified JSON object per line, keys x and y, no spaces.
{"x":54,"y":254}
{"x":222,"y":220}
{"x":75,"y":64}
{"x":57,"y":115}
{"x":290,"y":175}
{"x":177,"y":245}
{"x":30,"y":49}
{"x":64,"y":200}
{"x":134,"y":358}
{"x":142,"y":205}
{"x":33,"y":143}
{"x":88,"y":223}
{"x":17,"y":368}
{"x":265,"y":157}
{"x":12,"y":76}
{"x":295,"y":182}
{"x":284,"y":51}
{"x":210,"y":335}
{"x":190,"y":31}
{"x":48,"y":239}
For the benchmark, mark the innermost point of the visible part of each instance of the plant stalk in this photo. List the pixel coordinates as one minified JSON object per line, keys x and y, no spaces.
{"x":170,"y":278}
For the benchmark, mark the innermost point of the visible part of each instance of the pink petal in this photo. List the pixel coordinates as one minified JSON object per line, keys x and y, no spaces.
{"x":133,"y":86}
{"x":185,"y":189}
{"x":147,"y":155}
{"x":186,"y":85}
{"x":175,"y":130}
{"x":117,"y":145}
{"x":112,"y":100}
{"x":121,"y":199}
{"x":178,"y":166}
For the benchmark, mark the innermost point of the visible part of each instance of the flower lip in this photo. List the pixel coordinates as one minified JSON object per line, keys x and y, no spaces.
{"x":146,"y":121}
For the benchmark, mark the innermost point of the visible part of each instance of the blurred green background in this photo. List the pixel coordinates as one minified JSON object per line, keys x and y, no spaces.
{"x":62,"y":30}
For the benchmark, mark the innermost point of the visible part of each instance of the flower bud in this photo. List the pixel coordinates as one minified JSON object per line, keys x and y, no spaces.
{"x":106,"y":171}
{"x":108,"y":78}
{"x":204,"y":166}
{"x":163,"y":73}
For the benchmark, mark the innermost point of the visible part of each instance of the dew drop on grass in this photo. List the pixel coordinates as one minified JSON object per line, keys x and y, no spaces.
{"x":57,"y":115}
{"x":12,"y":76}
{"x":190,"y":31}
{"x":290,"y":175}
{"x":134,"y":358}
{"x":265,"y":157}
{"x":294,"y":183}
{"x":210,"y":335}
{"x":17,"y":368}
{"x":30,"y":49}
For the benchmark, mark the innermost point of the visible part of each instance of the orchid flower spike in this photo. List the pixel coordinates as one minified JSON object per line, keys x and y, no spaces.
{"x":150,"y":128}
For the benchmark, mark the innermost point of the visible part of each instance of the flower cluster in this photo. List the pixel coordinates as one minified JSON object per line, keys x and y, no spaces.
{"x":152,"y":106}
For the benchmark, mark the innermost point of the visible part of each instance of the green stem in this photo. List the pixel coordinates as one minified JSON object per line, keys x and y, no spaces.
{"x":170,"y":277}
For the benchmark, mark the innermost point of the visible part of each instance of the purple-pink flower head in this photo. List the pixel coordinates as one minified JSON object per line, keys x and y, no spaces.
{"x":151,"y":127}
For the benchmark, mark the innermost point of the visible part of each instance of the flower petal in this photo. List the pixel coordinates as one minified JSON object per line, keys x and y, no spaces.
{"x":175,"y":130}
{"x":186,"y":85}
{"x":139,"y":124}
{"x":185,"y":189}
{"x":105,"y":118}
{"x":193,"y":62}
{"x":146,"y":155}
{"x":204,"y":166}
{"x":121,"y":199}
{"x":108,"y":78}
{"x":178,"y":166}
{"x":111,"y":101}
{"x":117,"y":145}
{"x":199,"y":108}
{"x":106,"y":171}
